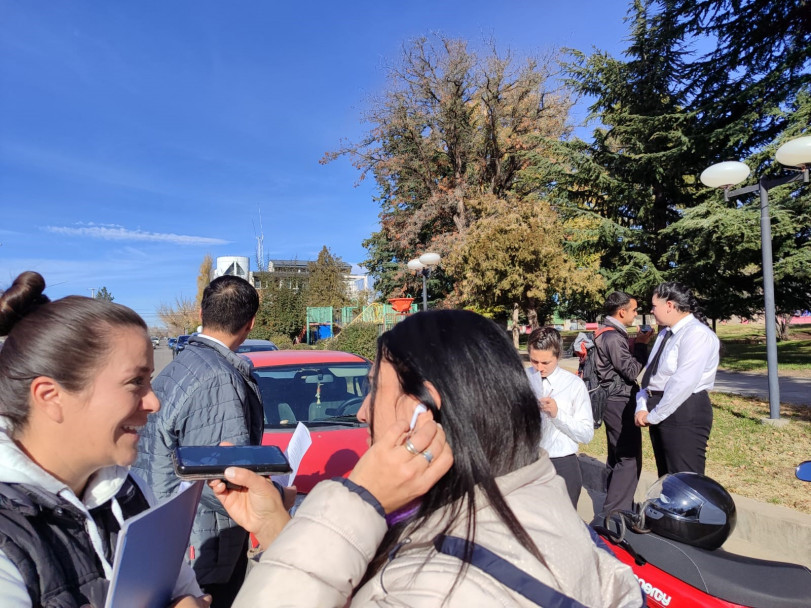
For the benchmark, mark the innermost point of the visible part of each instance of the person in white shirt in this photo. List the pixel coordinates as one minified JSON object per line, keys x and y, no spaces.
{"x":563,"y":400}
{"x":674,"y":399}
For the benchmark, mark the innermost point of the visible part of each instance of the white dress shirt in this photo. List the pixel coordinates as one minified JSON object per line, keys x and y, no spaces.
{"x":574,"y":422}
{"x":687,"y":366}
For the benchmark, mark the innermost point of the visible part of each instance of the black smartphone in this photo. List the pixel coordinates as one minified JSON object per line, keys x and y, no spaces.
{"x":210,"y":461}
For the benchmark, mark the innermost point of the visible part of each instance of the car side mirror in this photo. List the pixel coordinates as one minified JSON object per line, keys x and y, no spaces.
{"x":803,"y":471}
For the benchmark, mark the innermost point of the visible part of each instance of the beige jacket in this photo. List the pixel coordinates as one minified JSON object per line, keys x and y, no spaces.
{"x":323,"y":552}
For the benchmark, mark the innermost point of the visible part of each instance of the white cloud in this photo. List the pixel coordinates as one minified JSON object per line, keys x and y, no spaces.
{"x":119,"y":233}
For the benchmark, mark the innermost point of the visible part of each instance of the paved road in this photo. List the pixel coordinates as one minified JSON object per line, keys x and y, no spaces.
{"x":163,"y":356}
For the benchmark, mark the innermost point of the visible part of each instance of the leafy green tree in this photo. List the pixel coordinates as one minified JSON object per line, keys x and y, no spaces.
{"x":756,"y":64}
{"x":512,"y":258}
{"x":636,"y":176}
{"x":326,"y":283}
{"x":448,"y":139}
{"x":103,"y":294}
{"x":790,"y":209}
{"x":665,"y":113}
{"x":751,"y":90}
{"x":282,"y":308}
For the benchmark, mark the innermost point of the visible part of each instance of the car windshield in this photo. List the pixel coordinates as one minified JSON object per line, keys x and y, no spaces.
{"x":320,"y":394}
{"x":183,"y":339}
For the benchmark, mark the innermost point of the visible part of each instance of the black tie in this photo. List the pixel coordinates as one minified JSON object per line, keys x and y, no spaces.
{"x":654,"y":365}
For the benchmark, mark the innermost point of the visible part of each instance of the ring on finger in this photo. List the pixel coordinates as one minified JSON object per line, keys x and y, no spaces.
{"x":410,"y":447}
{"x":428,"y":456}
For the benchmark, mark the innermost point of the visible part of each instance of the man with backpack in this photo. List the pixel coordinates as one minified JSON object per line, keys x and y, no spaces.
{"x":618,"y":363}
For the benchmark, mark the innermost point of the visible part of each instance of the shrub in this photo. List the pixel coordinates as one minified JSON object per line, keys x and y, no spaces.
{"x":358,"y":338}
{"x":283,"y":341}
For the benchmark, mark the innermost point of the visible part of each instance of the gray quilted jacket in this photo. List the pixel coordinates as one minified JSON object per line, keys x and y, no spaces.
{"x":207,"y":396}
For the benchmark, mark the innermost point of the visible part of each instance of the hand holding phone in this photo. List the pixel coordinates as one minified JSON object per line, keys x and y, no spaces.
{"x":645,"y":328}
{"x":210,"y":461}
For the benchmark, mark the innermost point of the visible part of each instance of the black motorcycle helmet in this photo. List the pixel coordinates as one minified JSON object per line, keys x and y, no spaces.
{"x":690,"y":508}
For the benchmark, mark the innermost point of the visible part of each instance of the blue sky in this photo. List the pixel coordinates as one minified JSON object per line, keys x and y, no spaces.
{"x":136,"y":137}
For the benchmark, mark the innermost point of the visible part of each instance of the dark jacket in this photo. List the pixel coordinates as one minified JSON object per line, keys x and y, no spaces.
{"x":207,"y":396}
{"x":46,"y":538}
{"x":617,"y":366}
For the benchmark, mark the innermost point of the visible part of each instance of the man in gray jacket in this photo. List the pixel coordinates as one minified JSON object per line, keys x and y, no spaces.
{"x":618,"y":368}
{"x":208,"y":396}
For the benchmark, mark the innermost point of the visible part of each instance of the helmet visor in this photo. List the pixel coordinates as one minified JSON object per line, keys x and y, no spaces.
{"x":671,"y":494}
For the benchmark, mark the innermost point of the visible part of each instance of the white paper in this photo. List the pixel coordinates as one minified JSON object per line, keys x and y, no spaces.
{"x":300,"y":442}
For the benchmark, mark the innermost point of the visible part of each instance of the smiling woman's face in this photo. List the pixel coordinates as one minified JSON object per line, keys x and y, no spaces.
{"x":102,"y":421}
{"x":390,"y":402}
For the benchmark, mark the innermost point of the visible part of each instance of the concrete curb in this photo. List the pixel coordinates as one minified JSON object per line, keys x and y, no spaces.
{"x":762,"y":530}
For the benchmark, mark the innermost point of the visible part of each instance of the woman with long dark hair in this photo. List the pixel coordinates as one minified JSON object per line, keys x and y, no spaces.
{"x":493,"y":525}
{"x":74,"y":392}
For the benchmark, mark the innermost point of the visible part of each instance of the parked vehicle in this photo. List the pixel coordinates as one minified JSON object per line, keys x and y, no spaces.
{"x":155,"y":341}
{"x":180,"y":344}
{"x":324,"y":390}
{"x":253,"y":345}
{"x":671,"y":544}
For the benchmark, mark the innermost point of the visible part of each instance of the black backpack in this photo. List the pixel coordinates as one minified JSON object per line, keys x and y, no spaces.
{"x":588,"y":372}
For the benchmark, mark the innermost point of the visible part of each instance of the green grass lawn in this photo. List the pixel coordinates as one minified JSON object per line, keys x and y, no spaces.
{"x":749,"y":357}
{"x":747,"y":457}
{"x":744,"y":348}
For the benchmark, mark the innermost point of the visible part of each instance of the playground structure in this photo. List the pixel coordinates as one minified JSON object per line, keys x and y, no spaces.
{"x":322,"y":321}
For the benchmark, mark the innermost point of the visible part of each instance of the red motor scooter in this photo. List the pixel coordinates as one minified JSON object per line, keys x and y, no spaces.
{"x":697,"y":573}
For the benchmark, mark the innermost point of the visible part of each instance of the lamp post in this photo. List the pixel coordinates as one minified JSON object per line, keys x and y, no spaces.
{"x":797,"y":154}
{"x":424,"y":265}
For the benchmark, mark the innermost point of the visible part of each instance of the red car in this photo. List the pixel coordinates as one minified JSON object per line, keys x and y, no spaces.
{"x":324,"y":390}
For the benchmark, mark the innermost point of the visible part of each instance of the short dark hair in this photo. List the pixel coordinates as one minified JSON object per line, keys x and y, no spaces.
{"x":616,"y":301}
{"x":488,"y":411}
{"x":545,"y":338}
{"x":67,"y":340}
{"x":229,"y":303}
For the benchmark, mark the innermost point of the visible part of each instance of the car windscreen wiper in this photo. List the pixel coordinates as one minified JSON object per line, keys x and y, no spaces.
{"x":335,"y":421}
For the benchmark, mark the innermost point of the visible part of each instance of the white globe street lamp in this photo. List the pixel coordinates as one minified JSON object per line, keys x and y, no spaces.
{"x":424,"y":265}
{"x":795,"y":153}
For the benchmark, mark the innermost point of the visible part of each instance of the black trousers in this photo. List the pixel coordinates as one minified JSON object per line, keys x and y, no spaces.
{"x":680,"y":440}
{"x":568,"y":467}
{"x":624,"y":459}
{"x":224,"y":594}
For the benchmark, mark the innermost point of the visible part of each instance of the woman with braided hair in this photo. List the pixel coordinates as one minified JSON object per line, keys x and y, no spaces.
{"x":681,"y":368}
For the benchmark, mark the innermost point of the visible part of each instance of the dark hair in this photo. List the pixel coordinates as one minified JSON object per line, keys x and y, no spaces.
{"x":488,"y":411}
{"x":616,"y":301}
{"x":682,"y":297}
{"x":66,"y":340}
{"x":229,"y":303}
{"x":545,"y":338}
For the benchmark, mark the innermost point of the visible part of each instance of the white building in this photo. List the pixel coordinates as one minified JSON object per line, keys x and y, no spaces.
{"x":234,"y":265}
